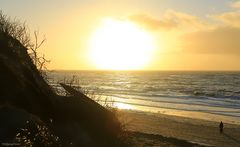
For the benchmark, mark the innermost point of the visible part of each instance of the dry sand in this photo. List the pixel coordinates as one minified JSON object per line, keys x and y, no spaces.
{"x":194,"y":130}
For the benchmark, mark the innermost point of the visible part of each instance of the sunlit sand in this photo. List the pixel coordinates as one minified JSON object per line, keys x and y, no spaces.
{"x":195,"y":130}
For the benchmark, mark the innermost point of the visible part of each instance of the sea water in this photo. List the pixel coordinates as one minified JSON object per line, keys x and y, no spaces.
{"x":206,"y":95}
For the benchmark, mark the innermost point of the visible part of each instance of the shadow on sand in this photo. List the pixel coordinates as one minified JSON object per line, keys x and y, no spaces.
{"x":231,"y":138}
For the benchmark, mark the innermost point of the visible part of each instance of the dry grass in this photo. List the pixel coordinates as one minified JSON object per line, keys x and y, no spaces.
{"x":36,"y":134}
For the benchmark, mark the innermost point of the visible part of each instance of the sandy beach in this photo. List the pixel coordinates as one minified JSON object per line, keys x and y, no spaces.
{"x":193,"y":130}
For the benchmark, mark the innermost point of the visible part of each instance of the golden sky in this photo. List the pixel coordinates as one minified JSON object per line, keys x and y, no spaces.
{"x":186,"y":34}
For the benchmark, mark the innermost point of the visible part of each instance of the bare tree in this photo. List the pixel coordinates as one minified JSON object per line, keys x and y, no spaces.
{"x":39,"y":60}
{"x":34,"y":47}
{"x":20,"y":32}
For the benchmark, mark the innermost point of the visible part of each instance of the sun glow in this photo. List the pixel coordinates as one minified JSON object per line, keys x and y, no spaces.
{"x":121,"y":45}
{"x":122,"y":106}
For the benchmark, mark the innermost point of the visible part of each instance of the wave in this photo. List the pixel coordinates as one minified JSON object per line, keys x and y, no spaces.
{"x":179,"y":100}
{"x":233,"y":113}
{"x":193,"y":91}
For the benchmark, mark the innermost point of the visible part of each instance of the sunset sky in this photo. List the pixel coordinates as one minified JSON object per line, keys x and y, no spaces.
{"x":183,"y":34}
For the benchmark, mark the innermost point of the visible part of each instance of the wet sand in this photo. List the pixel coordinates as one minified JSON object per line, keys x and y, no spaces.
{"x":193,"y":130}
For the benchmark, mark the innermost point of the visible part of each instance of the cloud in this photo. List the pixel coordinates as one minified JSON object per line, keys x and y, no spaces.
{"x":184,"y":19}
{"x":153,"y":23}
{"x":235,"y":4}
{"x":229,"y":18}
{"x":198,"y":36}
{"x":221,"y":40}
{"x":170,"y":20}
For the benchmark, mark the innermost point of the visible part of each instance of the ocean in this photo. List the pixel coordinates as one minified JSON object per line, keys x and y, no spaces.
{"x":211,"y":96}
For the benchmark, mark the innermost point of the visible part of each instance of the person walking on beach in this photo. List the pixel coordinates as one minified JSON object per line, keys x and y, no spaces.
{"x":221,"y":127}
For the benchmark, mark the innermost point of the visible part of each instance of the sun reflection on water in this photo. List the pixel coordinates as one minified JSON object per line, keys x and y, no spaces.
{"x":122,"y":106}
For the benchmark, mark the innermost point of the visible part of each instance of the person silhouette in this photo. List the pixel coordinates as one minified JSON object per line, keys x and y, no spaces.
{"x":221,"y":127}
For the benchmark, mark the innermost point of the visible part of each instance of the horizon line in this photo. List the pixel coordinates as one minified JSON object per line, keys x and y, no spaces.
{"x":144,"y":70}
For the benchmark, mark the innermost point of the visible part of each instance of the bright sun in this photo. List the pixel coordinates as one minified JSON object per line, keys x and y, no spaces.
{"x":120,"y":45}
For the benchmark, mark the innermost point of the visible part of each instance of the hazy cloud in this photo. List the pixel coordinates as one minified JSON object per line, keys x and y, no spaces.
{"x":229,"y":18}
{"x":153,"y":23}
{"x":198,"y":36}
{"x":170,"y":20}
{"x":235,"y":4}
{"x":221,"y":40}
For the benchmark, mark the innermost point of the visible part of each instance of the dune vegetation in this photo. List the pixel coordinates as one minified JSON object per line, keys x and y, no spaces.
{"x":33,"y":114}
{"x":31,"y":111}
